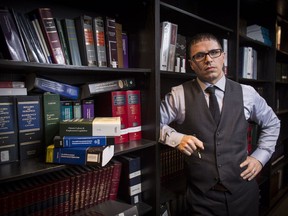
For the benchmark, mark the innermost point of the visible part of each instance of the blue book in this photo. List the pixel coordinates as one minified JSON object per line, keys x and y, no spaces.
{"x":8,"y":130}
{"x":98,"y":156}
{"x":82,"y":141}
{"x":42,"y":84}
{"x":29,"y":126}
{"x":66,"y":110}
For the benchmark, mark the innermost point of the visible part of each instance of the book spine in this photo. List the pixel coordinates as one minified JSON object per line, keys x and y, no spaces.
{"x":30,"y":126}
{"x":78,"y":141}
{"x":10,"y":34}
{"x":165,"y":41}
{"x":66,"y":110}
{"x":84,"y":32}
{"x":172,"y":47}
{"x":88,"y":90}
{"x":13,"y":91}
{"x":77,"y":109}
{"x":119,"y":108}
{"x":49,"y":30}
{"x":111,"y":42}
{"x":125,"y":50}
{"x":115,"y":180}
{"x":100,"y":42}
{"x":119,"y":42}
{"x":12,"y":84}
{"x":62,"y":40}
{"x":71,"y":38}
{"x":8,"y":130}
{"x":133,"y":98}
{"x":225,"y":50}
{"x":88,"y":109}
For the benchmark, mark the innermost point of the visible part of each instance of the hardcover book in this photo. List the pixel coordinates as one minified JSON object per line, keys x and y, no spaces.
{"x":41,"y":84}
{"x":10,"y":41}
{"x":118,"y":29}
{"x":30,"y":126}
{"x":125,"y":50}
{"x":165,"y":41}
{"x":8,"y":130}
{"x":133,"y":98}
{"x":90,"y":89}
{"x":180,"y":54}
{"x":12,"y":84}
{"x":85,"y":37}
{"x":77,"y":109}
{"x":66,"y":110}
{"x":100,"y":41}
{"x":172,"y":47}
{"x":111,"y":42}
{"x":130,"y":180}
{"x":71,"y":39}
{"x":99,"y":156}
{"x":82,"y":141}
{"x":49,"y":30}
{"x":51,"y":116}
{"x":99,"y":126}
{"x":88,"y":109}
{"x":62,"y":40}
{"x":117,"y":168}
{"x":13,"y":91}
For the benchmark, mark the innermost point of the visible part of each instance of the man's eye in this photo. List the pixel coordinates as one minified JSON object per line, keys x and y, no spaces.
{"x":213,"y":52}
{"x":199,"y":55}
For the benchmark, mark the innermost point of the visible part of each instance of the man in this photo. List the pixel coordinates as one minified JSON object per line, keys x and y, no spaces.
{"x":220,"y":173}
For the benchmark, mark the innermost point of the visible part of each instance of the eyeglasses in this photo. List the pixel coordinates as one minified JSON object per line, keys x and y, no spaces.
{"x":215,"y":53}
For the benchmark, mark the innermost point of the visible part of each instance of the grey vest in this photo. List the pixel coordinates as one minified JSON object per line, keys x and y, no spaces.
{"x":225,"y":145}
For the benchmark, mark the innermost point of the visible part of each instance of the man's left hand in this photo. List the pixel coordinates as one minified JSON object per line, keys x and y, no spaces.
{"x":253,"y":168}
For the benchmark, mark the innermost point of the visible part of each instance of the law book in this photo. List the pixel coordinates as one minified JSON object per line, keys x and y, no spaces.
{"x":133,"y":98}
{"x":49,"y":30}
{"x":88,"y":109}
{"x":99,"y":126}
{"x":71,"y":38}
{"x":66,"y":110}
{"x":130,"y":180}
{"x":125,"y":50}
{"x":111,"y":42}
{"x":100,"y":41}
{"x":119,"y":42}
{"x":13,"y":91}
{"x":172,"y":47}
{"x":10,"y":41}
{"x":164,"y":47}
{"x":42,"y":84}
{"x":82,"y":141}
{"x":180,"y":54}
{"x":115,"y":180}
{"x":77,"y":109}
{"x":96,"y":156}
{"x":51,"y":116}
{"x":84,"y":30}
{"x":30,"y":130}
{"x":8,"y":130}
{"x":12,"y":84}
{"x":62,"y":40}
{"x":90,"y":89}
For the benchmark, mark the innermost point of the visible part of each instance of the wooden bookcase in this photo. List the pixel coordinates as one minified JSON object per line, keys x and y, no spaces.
{"x":141,"y":20}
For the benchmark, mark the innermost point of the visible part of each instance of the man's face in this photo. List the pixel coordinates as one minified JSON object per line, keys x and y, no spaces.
{"x":208,"y":67}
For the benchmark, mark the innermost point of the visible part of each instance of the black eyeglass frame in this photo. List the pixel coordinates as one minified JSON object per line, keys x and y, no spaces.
{"x":208,"y":53}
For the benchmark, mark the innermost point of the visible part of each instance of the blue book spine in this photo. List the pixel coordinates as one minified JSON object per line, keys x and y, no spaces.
{"x":82,"y":141}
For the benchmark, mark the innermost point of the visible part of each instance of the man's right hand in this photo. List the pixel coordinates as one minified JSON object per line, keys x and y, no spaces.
{"x":189,"y":144}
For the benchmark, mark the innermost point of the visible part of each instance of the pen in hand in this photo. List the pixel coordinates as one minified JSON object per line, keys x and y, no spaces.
{"x":198,"y":150}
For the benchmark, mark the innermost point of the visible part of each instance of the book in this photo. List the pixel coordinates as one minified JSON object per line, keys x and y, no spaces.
{"x":130,"y":180}
{"x":8,"y":130}
{"x":81,"y":141}
{"x":88,"y":109}
{"x":13,"y":91}
{"x":125,"y":50}
{"x":51,"y":116}
{"x":77,"y":109}
{"x":42,"y":84}
{"x":100,"y":41}
{"x":115,"y":180}
{"x":180,"y":54}
{"x":12,"y":84}
{"x":133,"y":98}
{"x":70,"y":36}
{"x":62,"y":40}
{"x":172,"y":47}
{"x":90,"y":89}
{"x":10,"y":41}
{"x":29,"y":126}
{"x":99,"y":126}
{"x":119,"y":42}
{"x":66,"y":110}
{"x":164,"y":47}
{"x":226,"y":53}
{"x":49,"y":30}
{"x":111,"y":42}
{"x":99,"y":156}
{"x":84,"y":30}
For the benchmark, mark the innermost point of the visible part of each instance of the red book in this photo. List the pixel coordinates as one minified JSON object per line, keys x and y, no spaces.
{"x":50,"y":33}
{"x":119,"y":108}
{"x":117,"y":167}
{"x":12,"y":84}
{"x":134,"y":114}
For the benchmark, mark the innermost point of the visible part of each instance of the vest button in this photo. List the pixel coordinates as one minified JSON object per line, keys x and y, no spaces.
{"x":218,"y":143}
{"x":219,"y":165}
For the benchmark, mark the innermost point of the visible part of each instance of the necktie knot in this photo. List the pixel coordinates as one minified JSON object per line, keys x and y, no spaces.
{"x":210,"y":89}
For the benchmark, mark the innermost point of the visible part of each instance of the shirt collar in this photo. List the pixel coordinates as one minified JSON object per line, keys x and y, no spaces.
{"x":220,"y":84}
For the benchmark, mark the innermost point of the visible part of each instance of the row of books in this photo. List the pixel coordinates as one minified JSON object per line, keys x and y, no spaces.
{"x":73,"y":189}
{"x":248,"y":63}
{"x":172,"y":49}
{"x":38,"y":36}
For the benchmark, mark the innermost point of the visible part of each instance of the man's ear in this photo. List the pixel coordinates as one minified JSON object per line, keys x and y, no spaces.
{"x":191,"y":64}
